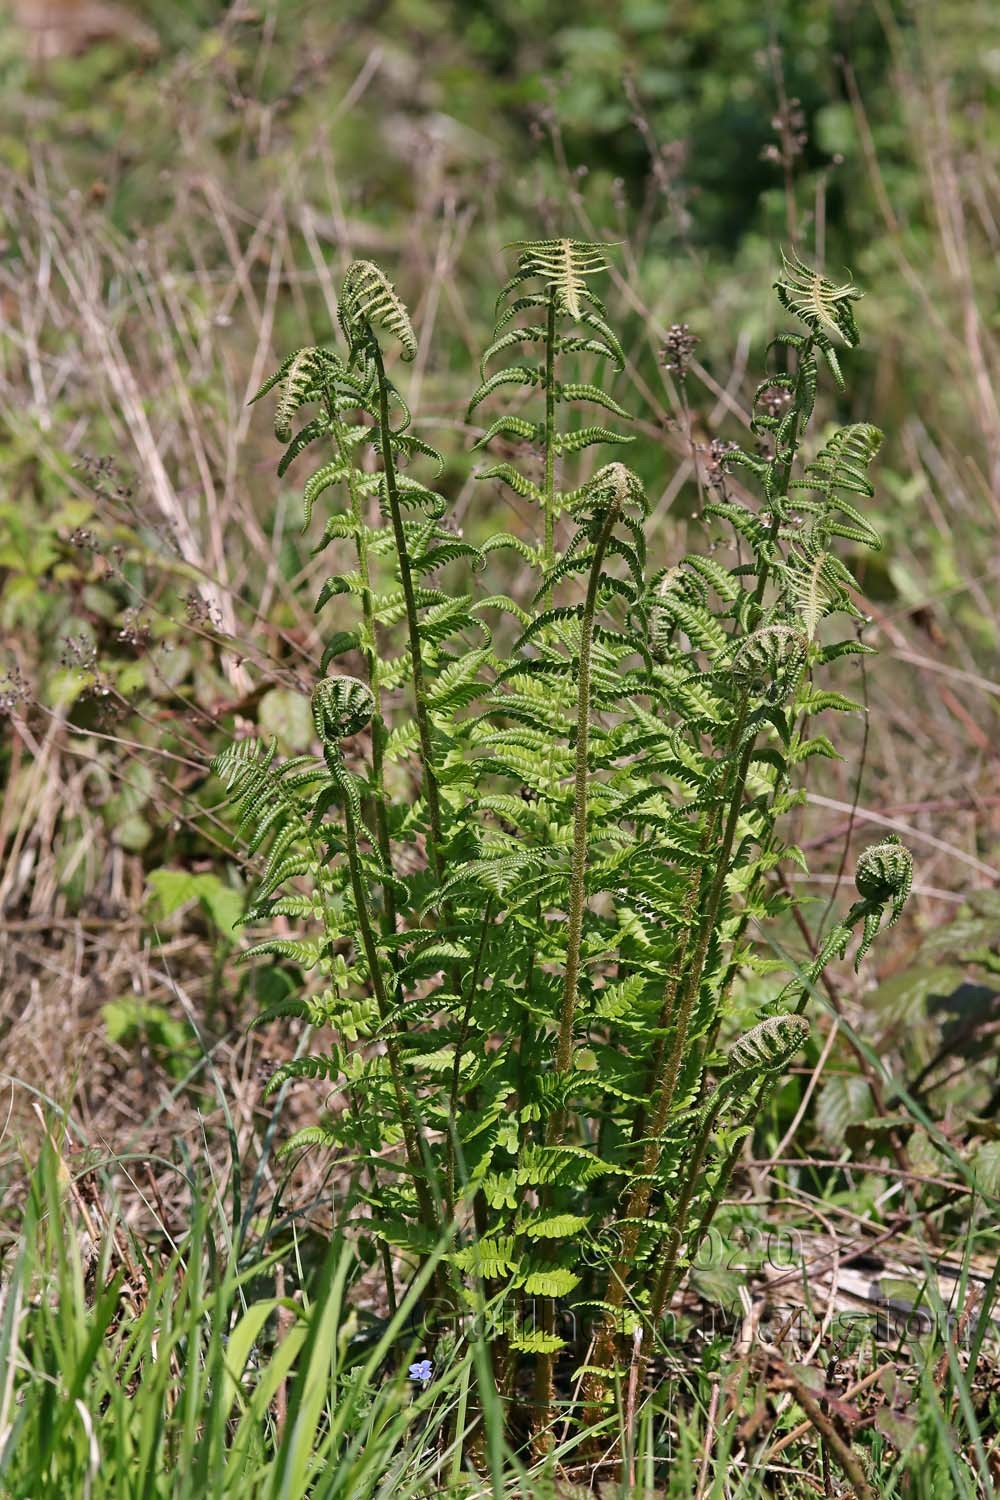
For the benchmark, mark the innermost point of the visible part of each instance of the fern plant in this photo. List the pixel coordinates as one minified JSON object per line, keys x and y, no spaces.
{"x":533,"y":874}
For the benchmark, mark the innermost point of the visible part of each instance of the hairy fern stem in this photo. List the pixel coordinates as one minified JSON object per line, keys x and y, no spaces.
{"x":574,"y":933}
{"x":421,"y":712}
{"x":667,"y":1083}
{"x":578,"y":868}
{"x":549,"y":553}
{"x":668,"y":1279}
{"x":682,"y":1204}
{"x":456,"y":1072}
{"x":408,"y":1124}
{"x":371,"y":654}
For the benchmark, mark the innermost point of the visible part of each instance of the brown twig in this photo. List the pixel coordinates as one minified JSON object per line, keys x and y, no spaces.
{"x":840,"y":1450}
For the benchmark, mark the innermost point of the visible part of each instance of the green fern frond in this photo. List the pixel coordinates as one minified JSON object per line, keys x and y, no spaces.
{"x":584,"y":437}
{"x":553,"y":1226}
{"x":575,"y":390}
{"x":329,"y":474}
{"x":701,"y":628}
{"x":328,"y":1067}
{"x":530,"y":334}
{"x":843,"y":464}
{"x":447,"y":552}
{"x":368,"y":300}
{"x":742,"y":520}
{"x":302,"y":378}
{"x":489,"y":1258}
{"x":536,"y":1342}
{"x":310,"y":433}
{"x":305,"y":953}
{"x":511,"y":426}
{"x":844,"y":461}
{"x":555,"y":1281}
{"x":714,"y":574}
{"x":511,"y":477}
{"x":562,"y":1166}
{"x":563,"y":266}
{"x":811,"y":593}
{"x":592,"y":319}
{"x":822,"y":306}
{"x":310,"y":1135}
{"x":513,"y":375}
{"x":816,"y":701}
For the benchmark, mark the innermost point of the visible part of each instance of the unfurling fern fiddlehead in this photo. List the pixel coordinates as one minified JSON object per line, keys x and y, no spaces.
{"x":884,"y":877}
{"x":552,"y":278}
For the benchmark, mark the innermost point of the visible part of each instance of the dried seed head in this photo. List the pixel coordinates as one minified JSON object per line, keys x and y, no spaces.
{"x":775,"y":401}
{"x":678,"y":347}
{"x":13,"y":690}
{"x":717,"y":456}
{"x":135,"y":631}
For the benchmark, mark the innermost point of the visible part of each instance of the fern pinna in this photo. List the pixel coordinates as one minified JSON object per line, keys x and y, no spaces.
{"x":533,"y":876}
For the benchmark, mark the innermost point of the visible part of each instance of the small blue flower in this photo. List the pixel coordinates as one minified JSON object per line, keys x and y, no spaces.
{"x":422,"y":1371}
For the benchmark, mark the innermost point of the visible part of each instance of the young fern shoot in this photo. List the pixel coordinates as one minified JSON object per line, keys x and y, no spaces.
{"x":552,"y":280}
